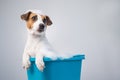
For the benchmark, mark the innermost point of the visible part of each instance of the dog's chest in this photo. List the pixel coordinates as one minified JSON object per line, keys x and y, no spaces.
{"x":34,"y":46}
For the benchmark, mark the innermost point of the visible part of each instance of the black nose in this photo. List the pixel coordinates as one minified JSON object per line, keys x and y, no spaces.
{"x":41,"y":26}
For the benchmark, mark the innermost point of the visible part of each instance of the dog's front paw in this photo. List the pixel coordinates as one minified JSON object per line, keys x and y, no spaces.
{"x":26,"y":64}
{"x":40,"y":65}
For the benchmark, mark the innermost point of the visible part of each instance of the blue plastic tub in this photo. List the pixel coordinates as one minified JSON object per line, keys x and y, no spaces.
{"x":67,"y":69}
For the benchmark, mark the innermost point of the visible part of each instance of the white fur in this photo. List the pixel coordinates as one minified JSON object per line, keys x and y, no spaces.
{"x":37,"y":46}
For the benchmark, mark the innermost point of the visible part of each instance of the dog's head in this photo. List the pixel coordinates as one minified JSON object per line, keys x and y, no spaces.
{"x":36,"y":21}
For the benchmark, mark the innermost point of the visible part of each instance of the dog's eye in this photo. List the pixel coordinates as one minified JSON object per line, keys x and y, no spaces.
{"x":44,"y":20}
{"x":34,"y":18}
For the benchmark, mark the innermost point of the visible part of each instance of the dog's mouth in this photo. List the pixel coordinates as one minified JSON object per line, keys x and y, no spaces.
{"x":40,"y":30}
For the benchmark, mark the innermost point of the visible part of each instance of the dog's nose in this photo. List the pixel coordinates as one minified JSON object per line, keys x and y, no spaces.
{"x":41,"y":26}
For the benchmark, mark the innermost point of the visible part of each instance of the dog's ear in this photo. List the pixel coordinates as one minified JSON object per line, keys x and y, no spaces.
{"x":48,"y":20}
{"x":25,"y":16}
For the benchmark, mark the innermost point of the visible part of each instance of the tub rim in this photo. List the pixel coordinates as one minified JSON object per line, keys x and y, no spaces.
{"x":74,"y":58}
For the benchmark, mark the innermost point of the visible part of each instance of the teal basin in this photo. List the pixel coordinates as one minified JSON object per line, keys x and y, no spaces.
{"x":60,"y":69}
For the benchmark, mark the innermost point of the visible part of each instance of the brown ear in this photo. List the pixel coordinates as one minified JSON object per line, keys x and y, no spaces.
{"x":49,"y":22}
{"x":25,"y":16}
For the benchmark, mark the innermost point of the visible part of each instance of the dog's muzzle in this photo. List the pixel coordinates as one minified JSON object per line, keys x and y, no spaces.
{"x":41,"y":28}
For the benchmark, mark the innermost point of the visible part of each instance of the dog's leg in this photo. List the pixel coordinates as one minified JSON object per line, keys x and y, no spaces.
{"x":39,"y":61}
{"x":26,"y":62}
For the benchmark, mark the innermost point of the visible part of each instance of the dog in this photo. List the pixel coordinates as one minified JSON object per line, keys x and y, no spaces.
{"x":37,"y":45}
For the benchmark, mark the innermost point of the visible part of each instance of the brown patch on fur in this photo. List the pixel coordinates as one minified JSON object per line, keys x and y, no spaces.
{"x":46,"y":20}
{"x":43,"y":17}
{"x":30,"y":20}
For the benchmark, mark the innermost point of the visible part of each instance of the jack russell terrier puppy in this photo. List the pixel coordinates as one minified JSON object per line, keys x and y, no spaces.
{"x":37,"y":45}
